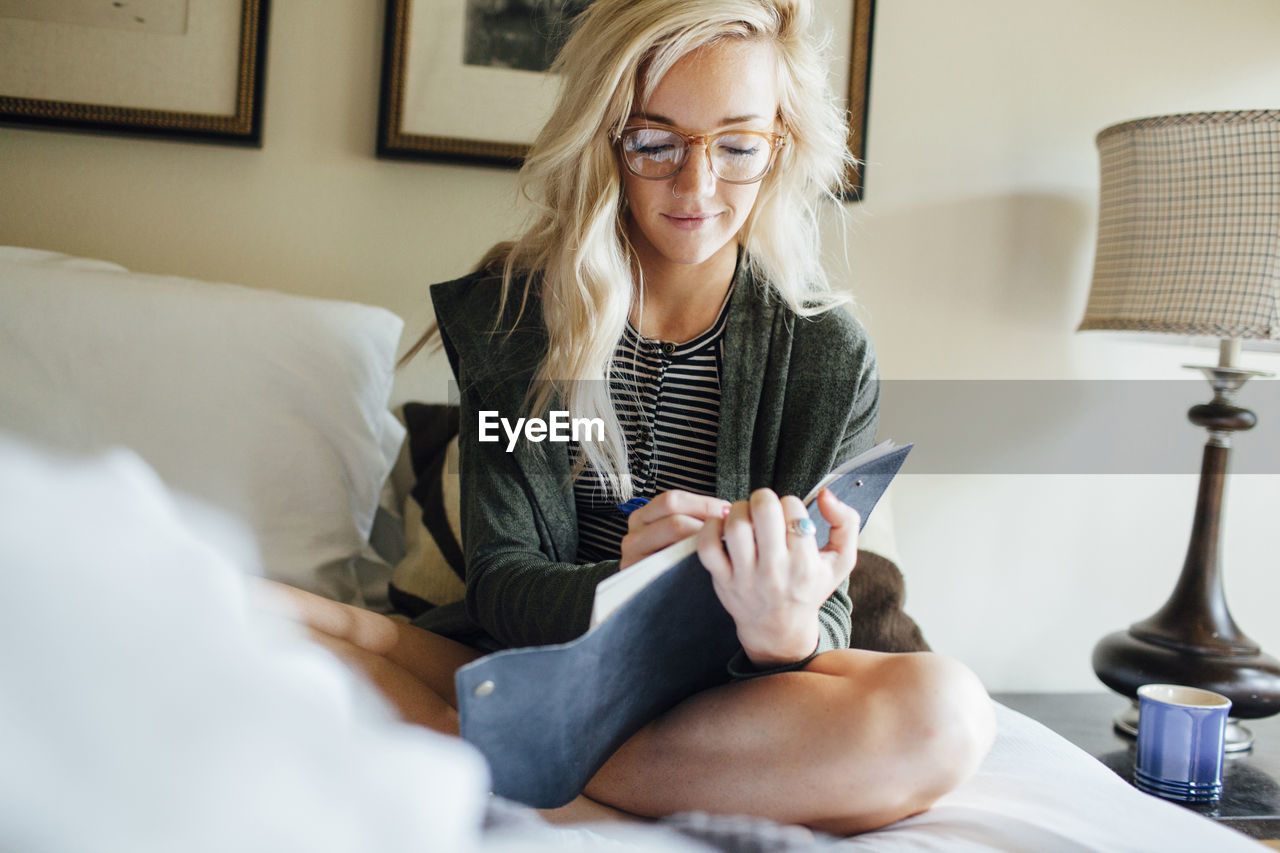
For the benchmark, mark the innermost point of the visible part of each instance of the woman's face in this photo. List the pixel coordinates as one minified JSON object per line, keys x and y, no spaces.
{"x":692,"y":216}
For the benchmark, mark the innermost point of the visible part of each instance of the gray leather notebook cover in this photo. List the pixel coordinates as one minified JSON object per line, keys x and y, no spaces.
{"x":547,"y":717}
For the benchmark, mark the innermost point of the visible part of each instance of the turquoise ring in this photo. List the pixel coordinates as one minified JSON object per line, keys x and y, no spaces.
{"x":802,"y":527}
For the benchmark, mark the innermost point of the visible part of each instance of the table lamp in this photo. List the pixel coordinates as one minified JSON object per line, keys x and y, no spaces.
{"x":1189,"y":244}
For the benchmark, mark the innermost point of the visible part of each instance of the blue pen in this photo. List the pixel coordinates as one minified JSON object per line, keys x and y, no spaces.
{"x":632,"y":505}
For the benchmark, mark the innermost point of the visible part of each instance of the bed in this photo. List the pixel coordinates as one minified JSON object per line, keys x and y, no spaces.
{"x":163,"y":441}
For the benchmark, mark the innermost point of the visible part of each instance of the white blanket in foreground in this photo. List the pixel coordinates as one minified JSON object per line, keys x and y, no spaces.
{"x":146,"y":707}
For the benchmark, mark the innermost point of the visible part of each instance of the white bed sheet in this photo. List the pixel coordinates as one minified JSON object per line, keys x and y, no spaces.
{"x":146,"y":705}
{"x":1036,"y":792}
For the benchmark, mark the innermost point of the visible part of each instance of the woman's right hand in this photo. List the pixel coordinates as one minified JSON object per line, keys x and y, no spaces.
{"x":665,"y":520}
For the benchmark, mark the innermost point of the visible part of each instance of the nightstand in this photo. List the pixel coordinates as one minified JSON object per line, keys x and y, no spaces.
{"x":1251,"y":781}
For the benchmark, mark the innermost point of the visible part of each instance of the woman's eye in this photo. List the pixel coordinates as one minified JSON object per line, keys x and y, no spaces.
{"x":659,"y":153}
{"x":738,"y":146}
{"x":653,"y":144}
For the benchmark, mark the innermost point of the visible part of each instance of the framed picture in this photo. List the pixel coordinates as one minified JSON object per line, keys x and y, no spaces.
{"x":191,"y":69}
{"x":467,"y":81}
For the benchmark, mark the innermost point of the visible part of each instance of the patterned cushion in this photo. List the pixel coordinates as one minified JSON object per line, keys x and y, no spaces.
{"x":431,"y":571}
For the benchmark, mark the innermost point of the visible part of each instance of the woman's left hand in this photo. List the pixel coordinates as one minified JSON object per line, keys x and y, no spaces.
{"x":773,"y":580}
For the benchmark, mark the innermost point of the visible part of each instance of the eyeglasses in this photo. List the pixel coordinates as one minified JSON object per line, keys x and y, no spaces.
{"x":735,"y":156}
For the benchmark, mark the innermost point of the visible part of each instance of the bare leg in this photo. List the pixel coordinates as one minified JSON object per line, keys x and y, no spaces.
{"x":854,"y":742}
{"x":392,"y":653}
{"x":415,"y":702}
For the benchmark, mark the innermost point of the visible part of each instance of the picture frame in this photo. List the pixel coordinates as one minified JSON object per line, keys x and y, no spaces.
{"x":431,"y":85}
{"x":178,"y":69}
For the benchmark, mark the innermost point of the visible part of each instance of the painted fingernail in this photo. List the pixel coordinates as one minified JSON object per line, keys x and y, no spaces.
{"x":724,"y":511}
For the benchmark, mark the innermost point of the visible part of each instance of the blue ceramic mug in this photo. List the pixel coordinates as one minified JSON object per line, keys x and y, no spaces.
{"x":1181,"y":733}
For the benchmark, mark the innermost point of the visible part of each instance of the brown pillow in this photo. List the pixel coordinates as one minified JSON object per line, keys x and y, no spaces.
{"x":879,"y":622}
{"x":431,"y":572}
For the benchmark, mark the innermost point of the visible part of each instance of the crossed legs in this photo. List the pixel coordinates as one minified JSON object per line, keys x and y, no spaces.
{"x":855,"y":741}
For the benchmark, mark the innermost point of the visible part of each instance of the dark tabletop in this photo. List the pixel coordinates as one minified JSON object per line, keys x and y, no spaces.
{"x":1250,"y":780}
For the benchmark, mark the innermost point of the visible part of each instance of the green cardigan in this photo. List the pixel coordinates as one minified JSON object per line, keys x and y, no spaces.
{"x":798,"y":396}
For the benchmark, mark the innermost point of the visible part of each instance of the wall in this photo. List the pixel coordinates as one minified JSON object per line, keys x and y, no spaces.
{"x":970,"y":259}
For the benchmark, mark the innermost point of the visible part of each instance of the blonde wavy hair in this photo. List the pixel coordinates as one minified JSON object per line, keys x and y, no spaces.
{"x":575,"y":258}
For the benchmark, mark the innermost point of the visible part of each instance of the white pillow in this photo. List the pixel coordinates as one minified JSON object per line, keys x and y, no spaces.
{"x":268,"y":406}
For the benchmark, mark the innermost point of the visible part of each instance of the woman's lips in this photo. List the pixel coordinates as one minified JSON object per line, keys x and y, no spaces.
{"x":689,"y":221}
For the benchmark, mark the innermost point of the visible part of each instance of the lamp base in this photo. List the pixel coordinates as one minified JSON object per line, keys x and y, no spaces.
{"x":1192,"y":639}
{"x":1124,"y":663}
{"x":1238,"y":738}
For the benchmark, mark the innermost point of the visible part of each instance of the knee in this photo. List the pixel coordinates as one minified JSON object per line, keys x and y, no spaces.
{"x":946,"y":722}
{"x":924,"y":725}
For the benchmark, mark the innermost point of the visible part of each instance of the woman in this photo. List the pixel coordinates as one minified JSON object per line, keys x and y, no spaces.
{"x":670,"y":286}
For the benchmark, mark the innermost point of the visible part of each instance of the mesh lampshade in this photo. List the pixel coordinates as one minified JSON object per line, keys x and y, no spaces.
{"x":1189,"y":226}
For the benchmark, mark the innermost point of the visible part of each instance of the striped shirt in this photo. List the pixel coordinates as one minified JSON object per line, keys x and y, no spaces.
{"x":667,"y":397}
